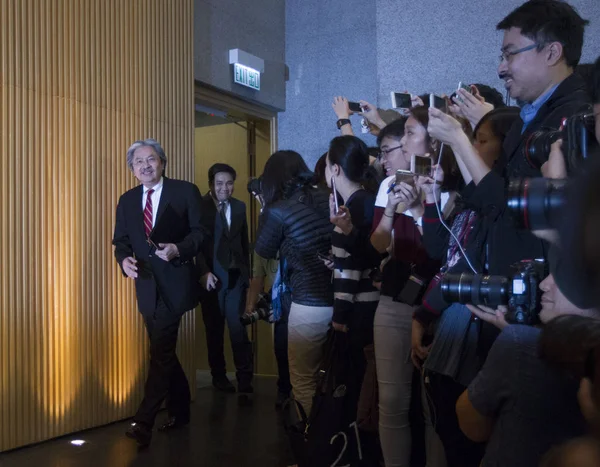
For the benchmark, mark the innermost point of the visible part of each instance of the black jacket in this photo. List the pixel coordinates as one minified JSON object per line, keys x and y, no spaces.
{"x":178,"y":222}
{"x":506,"y":244}
{"x":220,"y":245}
{"x":299,"y":228}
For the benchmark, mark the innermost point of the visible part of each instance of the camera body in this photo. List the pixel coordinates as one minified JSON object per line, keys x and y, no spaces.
{"x":263,"y":310}
{"x":519,"y":292}
{"x":579,"y":141}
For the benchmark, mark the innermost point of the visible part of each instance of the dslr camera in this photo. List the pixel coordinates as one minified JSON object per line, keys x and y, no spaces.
{"x":536,"y":203}
{"x":263,"y":310}
{"x":519,"y":292}
{"x":577,"y":133}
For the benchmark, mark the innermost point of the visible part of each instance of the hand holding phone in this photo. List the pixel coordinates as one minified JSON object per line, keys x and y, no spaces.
{"x":405,"y":176}
{"x":466,"y":87}
{"x":354,"y":107}
{"x":401,"y":100}
{"x":437,"y":102}
{"x":335,"y":199}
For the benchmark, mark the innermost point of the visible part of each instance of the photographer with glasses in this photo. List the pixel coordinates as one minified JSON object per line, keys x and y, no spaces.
{"x":542,"y":44}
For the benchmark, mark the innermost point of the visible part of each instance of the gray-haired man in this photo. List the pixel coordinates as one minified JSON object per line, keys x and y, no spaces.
{"x":157,"y":236}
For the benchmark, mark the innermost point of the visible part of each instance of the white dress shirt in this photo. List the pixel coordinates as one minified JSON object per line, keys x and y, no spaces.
{"x":155,"y":198}
{"x":227,"y":210}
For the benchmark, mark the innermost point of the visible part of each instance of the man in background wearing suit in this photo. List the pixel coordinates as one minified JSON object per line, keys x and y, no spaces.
{"x":224,"y":269}
{"x":158,"y":234}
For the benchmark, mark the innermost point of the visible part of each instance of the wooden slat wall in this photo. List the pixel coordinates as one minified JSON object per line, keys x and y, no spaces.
{"x":80,"y":80}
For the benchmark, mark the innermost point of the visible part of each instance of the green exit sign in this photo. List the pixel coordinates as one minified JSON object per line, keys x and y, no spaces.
{"x":246,"y":76}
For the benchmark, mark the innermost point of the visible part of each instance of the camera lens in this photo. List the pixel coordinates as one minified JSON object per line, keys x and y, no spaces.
{"x":537,"y":146}
{"x":477,"y":289}
{"x":536,"y":203}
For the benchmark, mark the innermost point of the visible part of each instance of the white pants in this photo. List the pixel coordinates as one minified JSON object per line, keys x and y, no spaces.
{"x":307,"y":333}
{"x":393,"y":328}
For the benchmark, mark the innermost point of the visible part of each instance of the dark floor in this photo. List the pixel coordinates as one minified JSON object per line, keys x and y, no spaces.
{"x":221,"y":434}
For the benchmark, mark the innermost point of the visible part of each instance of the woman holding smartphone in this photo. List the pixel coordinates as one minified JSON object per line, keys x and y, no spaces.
{"x":355,"y":298}
{"x":397,"y":234}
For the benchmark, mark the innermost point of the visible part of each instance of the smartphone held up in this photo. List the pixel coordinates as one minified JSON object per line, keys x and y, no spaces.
{"x":355,"y":107}
{"x":421,"y":165}
{"x":335,"y":195}
{"x":401,"y":100}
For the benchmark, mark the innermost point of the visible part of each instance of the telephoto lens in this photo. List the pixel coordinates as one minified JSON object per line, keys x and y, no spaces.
{"x":477,"y":289}
{"x":536,"y":203}
{"x":537,"y":146}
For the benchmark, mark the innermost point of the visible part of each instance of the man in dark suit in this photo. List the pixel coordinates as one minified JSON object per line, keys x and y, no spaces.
{"x":158,"y":234}
{"x":224,"y":269}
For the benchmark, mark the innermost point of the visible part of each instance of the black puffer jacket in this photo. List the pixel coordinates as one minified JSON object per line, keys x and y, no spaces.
{"x":299,"y":228}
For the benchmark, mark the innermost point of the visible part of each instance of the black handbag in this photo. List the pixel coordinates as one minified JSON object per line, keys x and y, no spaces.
{"x":327,"y":438}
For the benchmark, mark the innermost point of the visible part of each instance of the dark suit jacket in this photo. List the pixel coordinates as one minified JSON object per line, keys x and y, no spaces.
{"x":218,"y":242}
{"x":178,"y":222}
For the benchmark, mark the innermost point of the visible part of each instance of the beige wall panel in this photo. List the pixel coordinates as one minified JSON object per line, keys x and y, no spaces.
{"x":79,"y":82}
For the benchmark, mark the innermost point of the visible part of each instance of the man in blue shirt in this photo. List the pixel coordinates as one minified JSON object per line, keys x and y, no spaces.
{"x":541,"y":46}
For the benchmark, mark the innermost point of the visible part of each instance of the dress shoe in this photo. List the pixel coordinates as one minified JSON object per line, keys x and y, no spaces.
{"x":141,"y":433}
{"x":173,"y":423}
{"x":222,"y":383}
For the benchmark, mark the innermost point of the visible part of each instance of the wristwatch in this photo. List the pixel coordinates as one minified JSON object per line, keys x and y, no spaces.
{"x":343,"y":121}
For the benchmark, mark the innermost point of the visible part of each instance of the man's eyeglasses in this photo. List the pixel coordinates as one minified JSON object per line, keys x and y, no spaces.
{"x":385,"y":152}
{"x":507,"y":54}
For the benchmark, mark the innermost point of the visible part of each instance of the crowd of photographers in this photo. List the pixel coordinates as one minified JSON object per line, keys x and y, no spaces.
{"x":456,"y":265}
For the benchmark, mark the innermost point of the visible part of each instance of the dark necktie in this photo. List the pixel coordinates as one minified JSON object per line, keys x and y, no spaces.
{"x":148,"y":213}
{"x":222,"y":213}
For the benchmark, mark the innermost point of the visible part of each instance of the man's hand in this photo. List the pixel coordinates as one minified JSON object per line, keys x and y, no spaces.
{"x":339,"y":327}
{"x":167,"y":251}
{"x":341,"y":218}
{"x":470,"y":106}
{"x":209,"y":281}
{"x":489,"y":315}
{"x":341,"y":108}
{"x":419,"y":353}
{"x":443,"y":127}
{"x":556,"y":166}
{"x":129,"y":266}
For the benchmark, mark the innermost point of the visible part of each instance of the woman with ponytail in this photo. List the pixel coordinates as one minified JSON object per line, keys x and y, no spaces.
{"x":355,"y":297}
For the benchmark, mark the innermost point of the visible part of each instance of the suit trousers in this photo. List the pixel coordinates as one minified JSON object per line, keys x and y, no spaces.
{"x":228,"y":305}
{"x":166,"y":378}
